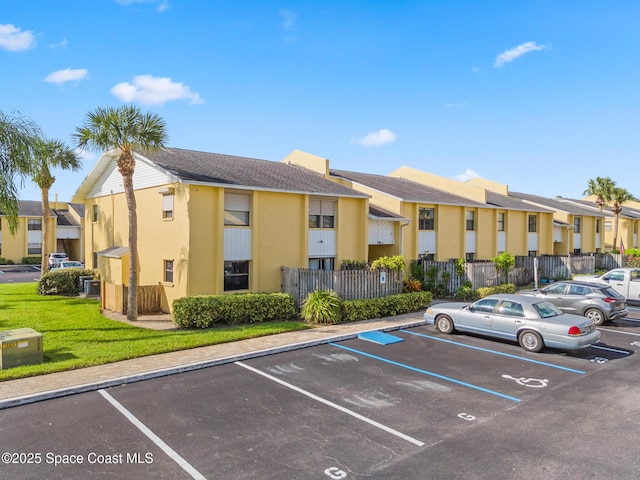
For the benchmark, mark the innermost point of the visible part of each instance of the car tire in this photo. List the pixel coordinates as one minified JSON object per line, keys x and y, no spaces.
{"x":531,"y":341}
{"x":596,"y":315}
{"x":444,"y":324}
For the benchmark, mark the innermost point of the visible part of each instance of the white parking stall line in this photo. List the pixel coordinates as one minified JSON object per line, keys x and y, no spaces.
{"x":333,"y":405}
{"x":609,"y":349}
{"x":186,"y":466}
{"x":618,"y":331}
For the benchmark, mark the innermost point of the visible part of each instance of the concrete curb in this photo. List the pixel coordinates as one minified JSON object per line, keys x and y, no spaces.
{"x":93,"y":386}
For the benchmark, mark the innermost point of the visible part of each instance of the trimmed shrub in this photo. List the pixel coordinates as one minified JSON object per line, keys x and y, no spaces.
{"x":31,"y":260}
{"x":65,"y":281}
{"x":395,"y":263}
{"x":504,"y":288}
{"x":321,"y":306}
{"x":353,"y":310}
{"x":465,"y":291}
{"x":208,"y":310}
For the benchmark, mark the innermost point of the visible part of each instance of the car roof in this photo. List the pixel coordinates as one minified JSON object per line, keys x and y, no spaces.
{"x":584,"y":284}
{"x":514,"y":298}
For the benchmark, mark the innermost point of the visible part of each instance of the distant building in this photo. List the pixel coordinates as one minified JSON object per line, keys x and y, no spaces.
{"x":65,"y":233}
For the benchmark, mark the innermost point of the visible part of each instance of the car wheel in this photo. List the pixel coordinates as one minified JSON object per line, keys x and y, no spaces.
{"x":596,"y":315}
{"x":531,"y":341}
{"x":444,"y":324}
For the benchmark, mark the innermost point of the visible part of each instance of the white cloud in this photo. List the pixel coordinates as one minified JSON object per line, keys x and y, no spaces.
{"x":467,"y":175}
{"x":15,"y":40}
{"x":83,"y":154}
{"x":289,"y":19}
{"x":61,"y":44}
{"x":163,"y":4}
{"x":67,"y":75}
{"x":515,"y":52}
{"x":152,"y":90}
{"x":375,"y":139}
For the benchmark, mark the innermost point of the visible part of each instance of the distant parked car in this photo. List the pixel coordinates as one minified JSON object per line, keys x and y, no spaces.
{"x":626,"y":281}
{"x":55,"y":258}
{"x":68,"y":264}
{"x":600,"y":303}
{"x":531,"y":322}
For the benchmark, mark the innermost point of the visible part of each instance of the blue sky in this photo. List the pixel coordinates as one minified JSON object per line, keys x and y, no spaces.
{"x":539,"y":94}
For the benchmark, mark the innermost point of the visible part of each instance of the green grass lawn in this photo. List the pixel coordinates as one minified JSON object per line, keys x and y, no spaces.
{"x":76,"y":335}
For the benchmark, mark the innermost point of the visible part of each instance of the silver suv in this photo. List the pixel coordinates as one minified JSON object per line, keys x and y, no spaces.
{"x":56,"y":258}
{"x":600,"y":303}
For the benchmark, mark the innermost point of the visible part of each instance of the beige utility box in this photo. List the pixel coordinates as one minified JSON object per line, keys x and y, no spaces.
{"x":22,"y":346}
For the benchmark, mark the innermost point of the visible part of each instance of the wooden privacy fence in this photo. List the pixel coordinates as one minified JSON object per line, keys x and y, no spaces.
{"x":485,"y":274}
{"x":114,"y":297}
{"x":348,"y":284}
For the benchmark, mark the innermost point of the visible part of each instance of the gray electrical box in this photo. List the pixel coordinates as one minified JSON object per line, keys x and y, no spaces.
{"x":82,"y":280}
{"x":92,"y":287}
{"x":22,"y":346}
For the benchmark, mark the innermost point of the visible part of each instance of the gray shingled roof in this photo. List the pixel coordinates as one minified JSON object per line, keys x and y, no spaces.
{"x":65,"y":219}
{"x":78,"y":208}
{"x":405,"y":189}
{"x":555,"y":204}
{"x":381,"y":213}
{"x":29,"y":208}
{"x":626,"y":211}
{"x":201,"y":167}
{"x":512,"y":203}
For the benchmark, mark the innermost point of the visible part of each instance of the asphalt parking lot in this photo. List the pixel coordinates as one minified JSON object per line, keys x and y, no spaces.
{"x":19,"y":273}
{"x":428,"y":406}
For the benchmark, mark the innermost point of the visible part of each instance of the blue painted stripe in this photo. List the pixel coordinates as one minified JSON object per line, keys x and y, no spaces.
{"x":560,"y":367}
{"x":432,"y":374}
{"x":379,"y":337}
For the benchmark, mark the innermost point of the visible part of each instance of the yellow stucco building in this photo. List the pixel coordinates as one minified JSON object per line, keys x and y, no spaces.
{"x":213,"y":224}
{"x":419,"y":215}
{"x":65,"y":231}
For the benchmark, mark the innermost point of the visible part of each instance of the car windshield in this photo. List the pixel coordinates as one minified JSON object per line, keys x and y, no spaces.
{"x":547,"y":309}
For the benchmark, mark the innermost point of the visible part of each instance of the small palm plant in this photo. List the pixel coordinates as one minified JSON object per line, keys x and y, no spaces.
{"x":321,"y":306}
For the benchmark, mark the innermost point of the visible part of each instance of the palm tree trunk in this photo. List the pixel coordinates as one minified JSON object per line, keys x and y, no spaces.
{"x":44,"y":265}
{"x":132,"y":298}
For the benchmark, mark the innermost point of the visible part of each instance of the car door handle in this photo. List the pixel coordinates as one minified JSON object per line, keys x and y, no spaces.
{"x":518,"y":321}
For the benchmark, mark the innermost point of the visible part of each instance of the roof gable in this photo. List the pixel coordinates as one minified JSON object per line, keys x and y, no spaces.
{"x":174,"y":165}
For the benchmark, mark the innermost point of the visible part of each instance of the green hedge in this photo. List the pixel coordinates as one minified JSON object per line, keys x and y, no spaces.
{"x":207,"y":310}
{"x":31,"y":260}
{"x":62,"y":282}
{"x":504,"y":288}
{"x":353,"y":310}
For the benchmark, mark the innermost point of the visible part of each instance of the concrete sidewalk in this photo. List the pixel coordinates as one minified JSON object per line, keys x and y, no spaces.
{"x":42,"y":387}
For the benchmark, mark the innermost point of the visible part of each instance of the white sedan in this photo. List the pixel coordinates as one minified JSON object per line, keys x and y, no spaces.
{"x":67,"y":264}
{"x":530,"y":321}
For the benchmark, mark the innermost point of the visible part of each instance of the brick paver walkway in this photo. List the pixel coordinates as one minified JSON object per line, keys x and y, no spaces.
{"x":28,"y":390}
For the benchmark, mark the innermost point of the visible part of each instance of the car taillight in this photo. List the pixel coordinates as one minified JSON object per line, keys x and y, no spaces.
{"x":610,"y":300}
{"x":574,"y":330}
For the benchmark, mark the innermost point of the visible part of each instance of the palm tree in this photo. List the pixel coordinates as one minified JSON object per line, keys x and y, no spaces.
{"x":618,"y":197}
{"x":126,"y":130}
{"x":601,"y":187}
{"x":17,"y":135}
{"x":49,"y":154}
